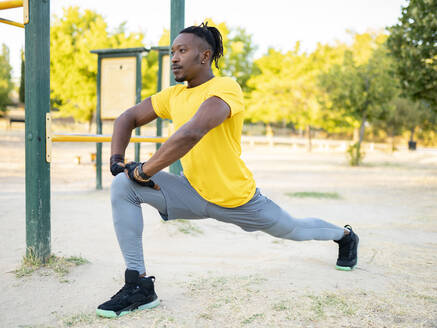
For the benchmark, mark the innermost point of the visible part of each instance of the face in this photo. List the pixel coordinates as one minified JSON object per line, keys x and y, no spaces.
{"x":188,"y":56}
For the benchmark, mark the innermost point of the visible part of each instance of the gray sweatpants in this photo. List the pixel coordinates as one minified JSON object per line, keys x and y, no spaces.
{"x":178,"y":200}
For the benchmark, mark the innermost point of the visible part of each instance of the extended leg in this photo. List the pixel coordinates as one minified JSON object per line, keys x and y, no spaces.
{"x":262,"y":214}
{"x":288,"y":227}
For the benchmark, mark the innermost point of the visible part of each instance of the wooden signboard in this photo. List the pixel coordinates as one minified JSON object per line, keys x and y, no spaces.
{"x":118,"y":83}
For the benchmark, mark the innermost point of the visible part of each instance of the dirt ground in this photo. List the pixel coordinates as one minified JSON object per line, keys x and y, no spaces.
{"x":209,"y":274}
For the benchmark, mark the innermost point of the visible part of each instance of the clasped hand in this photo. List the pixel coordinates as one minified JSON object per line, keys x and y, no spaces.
{"x":132,"y":170}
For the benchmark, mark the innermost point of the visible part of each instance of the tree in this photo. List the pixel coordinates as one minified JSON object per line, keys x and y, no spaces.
{"x":360,"y":89}
{"x":73,"y":69}
{"x":150,"y":67}
{"x":413,"y":42}
{"x":6,"y":84}
{"x":238,"y":51}
{"x":270,"y":99}
{"x":286,"y":87}
{"x":405,"y":115}
{"x":238,"y":57}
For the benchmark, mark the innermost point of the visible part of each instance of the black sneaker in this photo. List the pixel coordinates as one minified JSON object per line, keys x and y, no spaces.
{"x":137,"y":294}
{"x":347,"y":251}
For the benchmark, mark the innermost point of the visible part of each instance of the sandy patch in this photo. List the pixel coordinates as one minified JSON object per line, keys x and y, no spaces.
{"x":210,"y":274}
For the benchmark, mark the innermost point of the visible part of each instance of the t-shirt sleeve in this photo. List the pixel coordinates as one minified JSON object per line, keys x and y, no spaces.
{"x":230,"y":92}
{"x":161,"y":103}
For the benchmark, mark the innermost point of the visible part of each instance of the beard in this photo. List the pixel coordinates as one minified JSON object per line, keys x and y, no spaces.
{"x":179,"y":79}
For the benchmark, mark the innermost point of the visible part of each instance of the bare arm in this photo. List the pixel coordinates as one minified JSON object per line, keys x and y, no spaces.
{"x":135,"y":116}
{"x":210,"y":114}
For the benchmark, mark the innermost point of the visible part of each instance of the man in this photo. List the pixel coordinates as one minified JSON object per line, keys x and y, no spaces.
{"x":208,"y":116}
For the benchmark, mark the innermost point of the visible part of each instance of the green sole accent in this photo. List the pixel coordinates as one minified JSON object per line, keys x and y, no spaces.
{"x":150,"y":305}
{"x":106,"y":313}
{"x":343,"y":268}
{"x":112,"y":314}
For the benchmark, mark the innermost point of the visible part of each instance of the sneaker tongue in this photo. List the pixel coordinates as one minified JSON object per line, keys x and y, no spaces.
{"x":131,"y":276}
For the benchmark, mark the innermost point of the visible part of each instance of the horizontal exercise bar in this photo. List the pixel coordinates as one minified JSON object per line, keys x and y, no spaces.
{"x":101,"y":138}
{"x":9,"y":22}
{"x":52,"y":137}
{"x":11,"y":4}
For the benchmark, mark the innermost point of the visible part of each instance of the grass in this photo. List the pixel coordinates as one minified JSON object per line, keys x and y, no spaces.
{"x":384,"y":164}
{"x":314,"y":194}
{"x":205,"y":316}
{"x":321,"y":303}
{"x":252,"y":318}
{"x":57,"y":264}
{"x":281,"y":306}
{"x":188,"y":228}
{"x":81,"y":318}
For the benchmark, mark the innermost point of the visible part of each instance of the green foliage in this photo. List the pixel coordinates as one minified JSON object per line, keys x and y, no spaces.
{"x":413,"y":43}
{"x":238,"y":51}
{"x":270,"y":99}
{"x":6,"y":84}
{"x":358,"y":87}
{"x":336,"y":88}
{"x":237,"y":61}
{"x":362,"y":87}
{"x":406,"y":115}
{"x":355,"y":154}
{"x":73,"y":69}
{"x":150,"y":67}
{"x":286,"y":89}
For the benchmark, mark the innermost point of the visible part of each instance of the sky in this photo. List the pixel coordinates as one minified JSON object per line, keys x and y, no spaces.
{"x":273,"y":23}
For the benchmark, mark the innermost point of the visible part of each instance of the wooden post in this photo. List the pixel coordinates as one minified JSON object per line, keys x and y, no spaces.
{"x":37,"y":89}
{"x":177,"y":23}
{"x":138,"y":100}
{"x":99,"y":125}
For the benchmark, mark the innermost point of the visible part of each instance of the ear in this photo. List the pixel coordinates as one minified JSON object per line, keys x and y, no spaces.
{"x":205,"y":56}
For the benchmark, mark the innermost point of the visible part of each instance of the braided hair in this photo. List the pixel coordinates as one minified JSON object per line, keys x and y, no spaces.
{"x":211,"y":35}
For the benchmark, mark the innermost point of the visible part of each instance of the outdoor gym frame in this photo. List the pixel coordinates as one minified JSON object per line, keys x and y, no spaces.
{"x":37,"y":106}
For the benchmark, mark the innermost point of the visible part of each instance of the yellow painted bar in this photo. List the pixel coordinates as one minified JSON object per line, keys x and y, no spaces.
{"x":101,"y":138}
{"x":7,"y":21}
{"x":11,"y":4}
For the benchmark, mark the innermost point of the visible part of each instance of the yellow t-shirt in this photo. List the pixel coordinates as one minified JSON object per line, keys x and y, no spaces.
{"x":213,"y":166}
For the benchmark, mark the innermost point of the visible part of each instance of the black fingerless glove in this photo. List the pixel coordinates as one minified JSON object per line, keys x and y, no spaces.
{"x":134,"y":170}
{"x":115,"y":167}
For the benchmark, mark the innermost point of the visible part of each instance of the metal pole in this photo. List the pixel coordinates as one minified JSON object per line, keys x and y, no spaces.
{"x":138,"y":100}
{"x":177,"y":24}
{"x":159,"y":88}
{"x":99,"y":126}
{"x":37,"y":88}
{"x":11,"y":4}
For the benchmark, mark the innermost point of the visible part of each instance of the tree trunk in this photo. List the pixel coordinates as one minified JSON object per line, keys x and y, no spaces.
{"x":412,"y":133}
{"x":393,"y":145}
{"x":361,"y":137}
{"x":310,"y":146}
{"x":362,"y":127}
{"x":411,"y":143}
{"x":90,"y":124}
